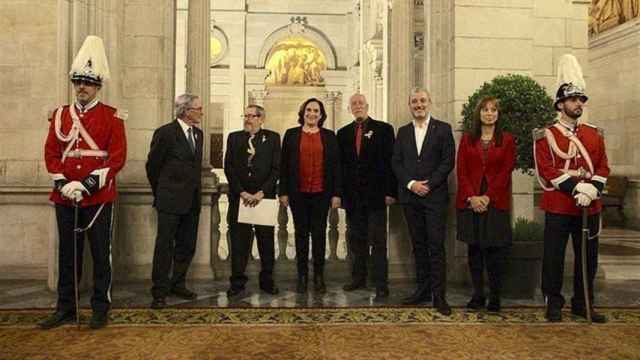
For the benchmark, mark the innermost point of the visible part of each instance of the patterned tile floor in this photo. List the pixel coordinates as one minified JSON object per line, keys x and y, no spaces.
{"x":33,"y":294}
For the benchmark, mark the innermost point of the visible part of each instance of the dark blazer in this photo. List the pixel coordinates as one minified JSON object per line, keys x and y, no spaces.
{"x":434,"y":163}
{"x":497,"y":169}
{"x":174,"y":170}
{"x":265,"y":165}
{"x":370,"y":172}
{"x":290,"y":163}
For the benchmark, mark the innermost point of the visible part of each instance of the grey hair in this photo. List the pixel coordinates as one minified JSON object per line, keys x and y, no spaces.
{"x":183,"y":102}
{"x":259,"y":109}
{"x":419,"y":89}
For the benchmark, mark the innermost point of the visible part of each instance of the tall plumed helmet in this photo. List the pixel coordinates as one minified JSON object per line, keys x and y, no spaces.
{"x":570,"y":80}
{"x":90,"y":64}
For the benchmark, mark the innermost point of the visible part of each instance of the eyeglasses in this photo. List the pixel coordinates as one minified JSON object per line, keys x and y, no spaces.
{"x":250,"y":116}
{"x":196,"y":108}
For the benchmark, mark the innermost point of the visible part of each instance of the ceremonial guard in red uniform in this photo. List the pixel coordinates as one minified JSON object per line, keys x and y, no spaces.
{"x":571,"y":164}
{"x":84,"y":151}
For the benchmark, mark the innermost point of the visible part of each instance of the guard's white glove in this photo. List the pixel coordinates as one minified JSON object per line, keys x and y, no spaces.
{"x":587,"y":189}
{"x":73,"y":187}
{"x":76,"y":196}
{"x":583,"y":200}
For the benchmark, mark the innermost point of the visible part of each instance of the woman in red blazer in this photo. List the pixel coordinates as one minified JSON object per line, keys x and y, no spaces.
{"x":486,"y":157}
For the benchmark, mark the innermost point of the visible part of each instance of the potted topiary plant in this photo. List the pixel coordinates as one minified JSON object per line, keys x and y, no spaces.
{"x":523,"y":265}
{"x":524,"y":105}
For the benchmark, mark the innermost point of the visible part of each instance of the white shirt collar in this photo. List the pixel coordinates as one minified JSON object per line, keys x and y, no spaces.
{"x":185,"y":127}
{"x":426,"y":122}
{"x":570,"y":127}
{"x":87,"y":107}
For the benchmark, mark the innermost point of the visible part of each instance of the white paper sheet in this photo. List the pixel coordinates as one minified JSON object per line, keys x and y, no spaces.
{"x":265,"y":213}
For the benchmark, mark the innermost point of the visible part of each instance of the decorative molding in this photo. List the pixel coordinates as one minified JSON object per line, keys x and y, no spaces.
{"x":418,"y":40}
{"x":308,"y":32}
{"x":298,"y":25}
{"x":375,"y":51}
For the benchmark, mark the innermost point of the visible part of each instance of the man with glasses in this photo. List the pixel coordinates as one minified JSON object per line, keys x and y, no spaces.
{"x":252,"y":168}
{"x":173,"y":168}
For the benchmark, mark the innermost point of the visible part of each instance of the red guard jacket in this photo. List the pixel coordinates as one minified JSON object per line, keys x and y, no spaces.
{"x":497,"y":168}
{"x":560,"y":198}
{"x":107,"y":130}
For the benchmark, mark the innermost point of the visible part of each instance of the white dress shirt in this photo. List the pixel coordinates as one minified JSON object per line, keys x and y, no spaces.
{"x":185,"y":128}
{"x":421,"y":134}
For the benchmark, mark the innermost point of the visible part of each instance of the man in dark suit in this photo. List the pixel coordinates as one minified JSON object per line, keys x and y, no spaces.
{"x":423,"y":157}
{"x":252,"y":167}
{"x":174,"y":169}
{"x":366,"y":146}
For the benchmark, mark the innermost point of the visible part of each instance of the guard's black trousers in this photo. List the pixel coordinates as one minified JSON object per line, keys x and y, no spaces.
{"x":557,"y":229}
{"x":99,"y":237}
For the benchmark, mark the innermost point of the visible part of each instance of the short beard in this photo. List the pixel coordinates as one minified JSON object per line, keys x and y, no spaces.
{"x":573,"y":114}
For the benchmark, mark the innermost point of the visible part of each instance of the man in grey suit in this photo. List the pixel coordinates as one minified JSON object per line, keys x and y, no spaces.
{"x":423,"y":157}
{"x":174,"y":169}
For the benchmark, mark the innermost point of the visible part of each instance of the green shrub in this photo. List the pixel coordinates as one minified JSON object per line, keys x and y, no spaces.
{"x":524,"y":106}
{"x":525,"y":230}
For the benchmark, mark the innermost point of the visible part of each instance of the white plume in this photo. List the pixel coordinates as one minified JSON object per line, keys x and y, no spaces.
{"x":91,"y":60}
{"x":569,"y":71}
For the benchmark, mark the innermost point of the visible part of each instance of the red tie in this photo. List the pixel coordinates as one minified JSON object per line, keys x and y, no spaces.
{"x":358,"y":138}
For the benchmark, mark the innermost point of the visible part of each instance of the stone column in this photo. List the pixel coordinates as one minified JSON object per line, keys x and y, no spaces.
{"x":198,"y":67}
{"x":400,"y":56}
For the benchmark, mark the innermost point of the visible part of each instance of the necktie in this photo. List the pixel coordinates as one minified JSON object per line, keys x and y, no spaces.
{"x":358,"y":138}
{"x":192,"y":142}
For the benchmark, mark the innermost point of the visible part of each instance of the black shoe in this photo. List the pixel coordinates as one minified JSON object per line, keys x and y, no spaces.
{"x":356,"y":285}
{"x":476,"y":303}
{"x":418,"y":297}
{"x":98,"y":320}
{"x":553,"y":314}
{"x":595,"y":316}
{"x":301,"y":287}
{"x":56,"y":319}
{"x":235,"y":292}
{"x":494,"y":305}
{"x":184,"y":293}
{"x":382,"y":292}
{"x":158,"y":303}
{"x":442,"y":306}
{"x":318,"y":284}
{"x":272,"y":290}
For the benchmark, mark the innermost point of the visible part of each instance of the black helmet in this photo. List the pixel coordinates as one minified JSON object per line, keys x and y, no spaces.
{"x":568,"y":90}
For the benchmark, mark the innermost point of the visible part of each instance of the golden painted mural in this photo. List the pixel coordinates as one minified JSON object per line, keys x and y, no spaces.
{"x":296,"y":61}
{"x":607,"y":14}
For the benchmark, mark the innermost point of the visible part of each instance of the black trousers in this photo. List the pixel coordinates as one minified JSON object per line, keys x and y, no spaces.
{"x":557,"y":229}
{"x":367,"y":228}
{"x":310,"y":212}
{"x":427,"y":227}
{"x":241,"y":240}
{"x":100,"y":242}
{"x":175,"y":247}
{"x":491,"y":258}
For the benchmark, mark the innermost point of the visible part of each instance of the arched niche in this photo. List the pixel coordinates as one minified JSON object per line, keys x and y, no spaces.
{"x":295,"y":61}
{"x":295,"y":29}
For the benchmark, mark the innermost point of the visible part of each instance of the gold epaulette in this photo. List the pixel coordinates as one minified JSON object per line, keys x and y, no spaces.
{"x":538,"y":133}
{"x":122,"y":114}
{"x":598,"y":129}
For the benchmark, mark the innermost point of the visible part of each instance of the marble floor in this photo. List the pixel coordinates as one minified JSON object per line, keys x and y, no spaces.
{"x":33,"y":294}
{"x":617,"y":285}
